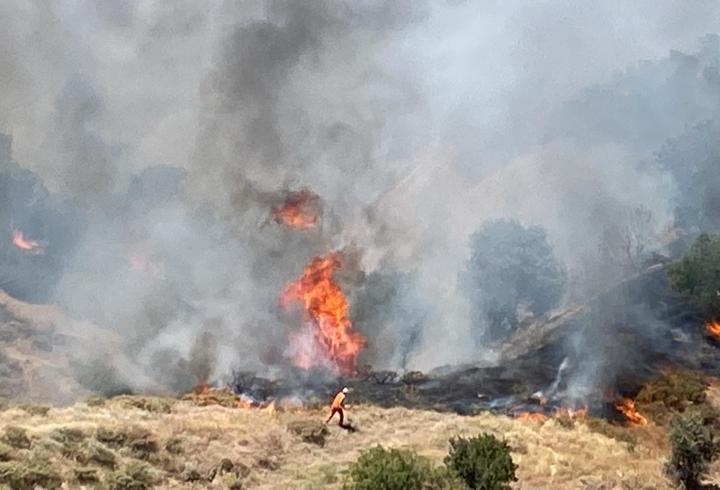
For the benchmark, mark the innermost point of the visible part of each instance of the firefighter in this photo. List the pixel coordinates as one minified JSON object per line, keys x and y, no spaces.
{"x":338,"y":405}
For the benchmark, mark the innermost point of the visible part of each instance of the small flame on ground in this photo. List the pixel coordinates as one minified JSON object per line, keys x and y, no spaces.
{"x":202,"y":389}
{"x":713,"y":328}
{"x":245,"y":402}
{"x":299,"y":211}
{"x":558,"y":413}
{"x":204,"y":394}
{"x":270,"y":408}
{"x":579,"y":413}
{"x":331,"y":337}
{"x":627,"y":407}
{"x":27,"y":245}
{"x":531,"y":417}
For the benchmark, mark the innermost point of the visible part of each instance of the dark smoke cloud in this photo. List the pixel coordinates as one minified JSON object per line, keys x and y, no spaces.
{"x":178,"y":126}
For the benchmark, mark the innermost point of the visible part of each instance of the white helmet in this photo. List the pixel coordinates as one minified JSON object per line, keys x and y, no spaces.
{"x":345,"y":390}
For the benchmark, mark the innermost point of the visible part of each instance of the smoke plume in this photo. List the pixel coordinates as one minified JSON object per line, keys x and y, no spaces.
{"x":169,"y":133}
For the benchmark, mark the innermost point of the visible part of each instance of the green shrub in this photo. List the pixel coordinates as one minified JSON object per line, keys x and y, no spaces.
{"x":41,"y":410}
{"x":674,"y":393}
{"x":693,"y":449}
{"x":22,"y":476}
{"x":613,"y":431}
{"x":114,"y":438}
{"x":397,"y":469}
{"x":86,"y":475}
{"x":16,"y":437}
{"x":697,"y":275}
{"x":135,"y":476}
{"x":310,"y":431}
{"x":67,"y":435}
{"x":483,"y":462}
{"x":6,"y":452}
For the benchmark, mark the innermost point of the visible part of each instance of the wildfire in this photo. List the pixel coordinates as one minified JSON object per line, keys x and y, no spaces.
{"x":531,"y":417}
{"x":627,"y":407}
{"x":203,"y":388}
{"x":579,"y":413}
{"x":713,"y":328}
{"x":25,"y":244}
{"x":245,"y":402}
{"x":329,"y":336}
{"x":300,"y":211}
{"x":270,"y":408}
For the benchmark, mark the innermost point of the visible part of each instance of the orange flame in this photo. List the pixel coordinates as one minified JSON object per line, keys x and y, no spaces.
{"x":30,"y":246}
{"x":580,"y":413}
{"x":243,"y":403}
{"x":300,"y":211}
{"x":270,"y":409}
{"x":531,"y":417}
{"x":627,"y":407}
{"x":330,"y":336}
{"x":713,"y":328}
{"x":202,"y":389}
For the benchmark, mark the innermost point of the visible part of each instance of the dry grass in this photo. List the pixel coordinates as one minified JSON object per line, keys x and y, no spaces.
{"x":548,"y":455}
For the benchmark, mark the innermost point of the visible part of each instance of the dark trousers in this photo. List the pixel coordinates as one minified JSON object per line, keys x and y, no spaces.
{"x":338,"y":410}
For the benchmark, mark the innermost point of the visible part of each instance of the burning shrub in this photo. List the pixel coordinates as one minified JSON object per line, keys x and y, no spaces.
{"x":696,"y":275}
{"x":332,"y":338}
{"x":511,"y":266}
{"x":301,"y":210}
{"x":397,"y":469}
{"x":29,"y":217}
{"x":483,"y":462}
{"x":693,"y":449}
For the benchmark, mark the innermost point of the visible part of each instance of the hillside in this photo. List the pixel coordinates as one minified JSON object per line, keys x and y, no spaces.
{"x":187,"y":446}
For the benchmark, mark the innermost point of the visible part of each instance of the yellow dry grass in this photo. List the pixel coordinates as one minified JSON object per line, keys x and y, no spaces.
{"x":549,"y":456}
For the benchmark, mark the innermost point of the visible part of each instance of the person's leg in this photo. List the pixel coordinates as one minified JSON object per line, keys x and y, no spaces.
{"x":332,"y":412}
{"x":342,"y":417}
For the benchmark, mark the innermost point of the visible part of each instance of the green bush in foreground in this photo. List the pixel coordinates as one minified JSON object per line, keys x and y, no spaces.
{"x":396,"y":469}
{"x":483,"y":462}
{"x":693,"y":449}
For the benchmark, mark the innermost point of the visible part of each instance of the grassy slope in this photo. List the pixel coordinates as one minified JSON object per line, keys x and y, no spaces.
{"x":549,"y":455}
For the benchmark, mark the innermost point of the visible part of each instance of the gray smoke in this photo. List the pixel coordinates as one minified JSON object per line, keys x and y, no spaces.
{"x":178,"y":127}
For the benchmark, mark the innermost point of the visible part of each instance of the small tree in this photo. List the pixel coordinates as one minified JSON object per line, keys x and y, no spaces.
{"x":693,"y":449}
{"x":626,"y":243}
{"x":697,"y":275}
{"x":511,"y":265}
{"x":397,"y":469}
{"x":483,"y":462}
